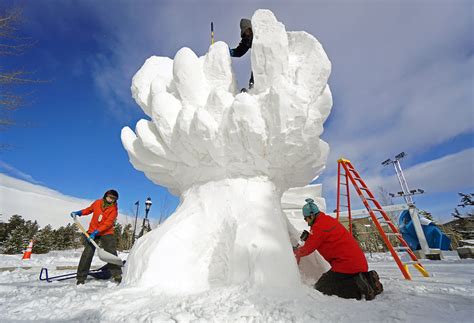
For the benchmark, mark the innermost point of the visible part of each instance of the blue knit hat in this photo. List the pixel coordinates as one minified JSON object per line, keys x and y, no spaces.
{"x":310,"y":208}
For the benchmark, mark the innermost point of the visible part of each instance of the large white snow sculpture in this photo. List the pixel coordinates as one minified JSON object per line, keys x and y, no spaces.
{"x":229,"y":156}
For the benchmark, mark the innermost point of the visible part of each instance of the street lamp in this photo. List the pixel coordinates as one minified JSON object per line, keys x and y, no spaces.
{"x":407,"y":195}
{"x":406,"y":192}
{"x":148,"y":204}
{"x":137,"y":203}
{"x":146,"y":223}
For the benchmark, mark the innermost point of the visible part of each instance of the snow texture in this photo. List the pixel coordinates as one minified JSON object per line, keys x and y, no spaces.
{"x":229,"y":156}
{"x":446,"y":296}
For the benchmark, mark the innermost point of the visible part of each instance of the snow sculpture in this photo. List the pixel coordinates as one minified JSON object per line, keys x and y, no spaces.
{"x":229,"y":156}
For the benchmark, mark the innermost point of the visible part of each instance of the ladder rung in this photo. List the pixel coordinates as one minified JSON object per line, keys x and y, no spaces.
{"x":411,"y":262}
{"x":364,"y":189}
{"x":343,"y":194}
{"x":378,"y":210}
{"x":358,"y":178}
{"x":343,"y":183}
{"x":370,"y":199}
{"x":392,"y":234}
{"x":401,"y":248}
{"x":344,"y":205}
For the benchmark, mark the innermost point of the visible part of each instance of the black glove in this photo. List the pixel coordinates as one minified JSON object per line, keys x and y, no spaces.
{"x":304,"y":235}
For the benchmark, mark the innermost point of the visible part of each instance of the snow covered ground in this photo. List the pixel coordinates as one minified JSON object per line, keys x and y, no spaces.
{"x":448,"y":295}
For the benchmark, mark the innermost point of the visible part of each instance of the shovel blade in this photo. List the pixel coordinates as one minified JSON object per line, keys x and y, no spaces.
{"x":109,"y":258}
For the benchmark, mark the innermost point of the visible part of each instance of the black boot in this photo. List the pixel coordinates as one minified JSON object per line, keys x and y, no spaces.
{"x":364,"y":286}
{"x":374,"y":281}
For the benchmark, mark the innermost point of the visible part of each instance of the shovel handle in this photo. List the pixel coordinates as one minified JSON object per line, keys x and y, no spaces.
{"x":79,"y":225}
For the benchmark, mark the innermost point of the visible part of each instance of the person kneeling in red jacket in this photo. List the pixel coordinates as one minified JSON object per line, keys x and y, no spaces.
{"x":348,"y":276}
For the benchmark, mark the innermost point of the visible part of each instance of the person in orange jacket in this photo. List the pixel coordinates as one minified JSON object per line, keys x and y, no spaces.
{"x":101,"y":229}
{"x":348,"y":276}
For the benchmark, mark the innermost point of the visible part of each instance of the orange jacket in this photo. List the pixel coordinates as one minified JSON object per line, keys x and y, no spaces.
{"x":102,"y":219}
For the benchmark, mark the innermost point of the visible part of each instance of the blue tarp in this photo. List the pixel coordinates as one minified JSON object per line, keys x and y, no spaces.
{"x":434,"y":236}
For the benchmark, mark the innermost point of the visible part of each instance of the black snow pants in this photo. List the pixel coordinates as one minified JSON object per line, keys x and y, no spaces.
{"x":339,"y":284}
{"x":108,"y":243}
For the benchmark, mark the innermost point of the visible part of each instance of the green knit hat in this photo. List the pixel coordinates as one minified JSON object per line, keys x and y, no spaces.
{"x":310,"y":208}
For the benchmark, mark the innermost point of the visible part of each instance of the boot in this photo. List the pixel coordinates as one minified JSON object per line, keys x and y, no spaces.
{"x":374,"y":281}
{"x":364,"y":287}
{"x":118,"y":279}
{"x":80,"y":282}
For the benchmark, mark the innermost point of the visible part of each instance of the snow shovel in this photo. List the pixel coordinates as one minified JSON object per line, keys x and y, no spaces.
{"x":103,"y":255}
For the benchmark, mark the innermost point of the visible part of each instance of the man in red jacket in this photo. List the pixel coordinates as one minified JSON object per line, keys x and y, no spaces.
{"x":101,"y":229}
{"x":348,"y":276}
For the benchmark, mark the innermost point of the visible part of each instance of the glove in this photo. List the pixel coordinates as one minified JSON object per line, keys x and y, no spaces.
{"x":93,"y":234}
{"x":231,"y":52}
{"x":76,"y":214}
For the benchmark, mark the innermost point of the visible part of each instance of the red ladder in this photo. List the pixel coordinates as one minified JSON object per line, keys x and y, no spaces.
{"x":350,"y":174}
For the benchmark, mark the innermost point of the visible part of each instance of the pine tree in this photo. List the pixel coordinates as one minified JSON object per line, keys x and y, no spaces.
{"x":127,"y":237}
{"x":3,"y":236}
{"x":16,"y":235}
{"x":44,"y":240}
{"x":118,"y":235}
{"x":31,"y":229}
{"x":59,"y":239}
{"x":70,"y":236}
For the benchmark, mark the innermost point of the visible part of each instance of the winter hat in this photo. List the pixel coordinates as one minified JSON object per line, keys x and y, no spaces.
{"x":244,"y":25}
{"x":111,"y":193}
{"x":310,"y":208}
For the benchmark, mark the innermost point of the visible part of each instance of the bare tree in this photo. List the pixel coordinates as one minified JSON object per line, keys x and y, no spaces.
{"x":467,"y":204}
{"x":12,"y":79}
{"x":466,"y":200}
{"x":164,"y":209}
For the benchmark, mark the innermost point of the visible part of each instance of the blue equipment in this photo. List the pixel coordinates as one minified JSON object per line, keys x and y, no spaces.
{"x":435,"y":238}
{"x":101,"y":273}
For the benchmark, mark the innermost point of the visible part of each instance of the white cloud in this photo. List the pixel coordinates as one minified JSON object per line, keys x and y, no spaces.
{"x":17,"y":173}
{"x":451,"y":172}
{"x":38,"y":203}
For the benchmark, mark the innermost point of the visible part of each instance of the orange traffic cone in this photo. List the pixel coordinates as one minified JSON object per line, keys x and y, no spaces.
{"x":29,"y":249}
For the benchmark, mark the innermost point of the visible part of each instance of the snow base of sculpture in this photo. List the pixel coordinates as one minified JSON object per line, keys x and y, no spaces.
{"x":225,"y":232}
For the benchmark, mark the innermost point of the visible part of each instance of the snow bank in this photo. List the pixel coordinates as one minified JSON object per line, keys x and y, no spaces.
{"x":229,"y":156}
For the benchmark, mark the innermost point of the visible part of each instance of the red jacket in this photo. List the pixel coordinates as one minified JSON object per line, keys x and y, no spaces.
{"x":335,"y":244}
{"x":102,"y":219}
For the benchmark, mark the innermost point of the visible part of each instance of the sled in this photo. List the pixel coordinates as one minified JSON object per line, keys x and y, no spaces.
{"x":101,"y":273}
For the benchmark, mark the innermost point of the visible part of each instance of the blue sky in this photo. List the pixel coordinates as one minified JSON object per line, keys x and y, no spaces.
{"x":402,"y":80}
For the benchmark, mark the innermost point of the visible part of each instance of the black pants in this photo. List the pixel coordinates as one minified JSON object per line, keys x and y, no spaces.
{"x":339,"y":284}
{"x":108,"y":243}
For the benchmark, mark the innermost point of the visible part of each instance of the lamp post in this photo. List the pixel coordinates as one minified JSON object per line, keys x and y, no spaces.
{"x":407,"y":195}
{"x":146,"y":222}
{"x":137,"y":203}
{"x":147,"y":209}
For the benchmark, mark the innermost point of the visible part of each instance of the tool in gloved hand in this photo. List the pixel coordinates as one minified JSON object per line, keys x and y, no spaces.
{"x":304,"y":235}
{"x":103,"y":255}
